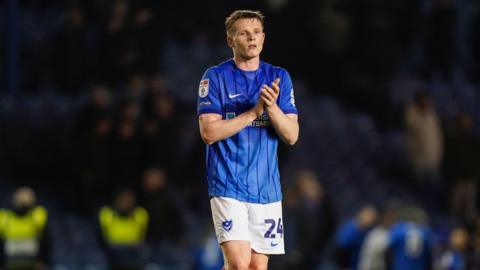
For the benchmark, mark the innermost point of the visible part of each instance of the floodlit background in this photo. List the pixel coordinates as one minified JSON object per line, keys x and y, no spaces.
{"x":97,"y":96}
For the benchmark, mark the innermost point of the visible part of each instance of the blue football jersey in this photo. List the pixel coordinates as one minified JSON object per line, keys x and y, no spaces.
{"x":245,"y":165}
{"x":453,"y":260}
{"x":411,"y":246}
{"x":350,"y":237}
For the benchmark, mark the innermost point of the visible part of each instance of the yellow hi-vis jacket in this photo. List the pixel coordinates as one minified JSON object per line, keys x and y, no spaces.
{"x":21,"y":234}
{"x":118,"y":230}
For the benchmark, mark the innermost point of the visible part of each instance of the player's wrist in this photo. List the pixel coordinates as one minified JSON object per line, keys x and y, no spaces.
{"x":272,"y":108}
{"x":254,"y":113}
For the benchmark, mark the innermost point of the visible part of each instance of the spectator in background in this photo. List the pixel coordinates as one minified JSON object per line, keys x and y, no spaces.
{"x":424,"y":138}
{"x":98,"y":105}
{"x":128,"y":145}
{"x":372,"y":254}
{"x":461,"y":168}
{"x":157,"y":196}
{"x":157,"y":87}
{"x":24,"y":238}
{"x":456,"y":257}
{"x":314,"y":219}
{"x":162,"y":130}
{"x":208,"y":255}
{"x":410,"y":241}
{"x":123,"y":227}
{"x":95,"y":166}
{"x":158,"y":84}
{"x":136,"y":88}
{"x":350,"y":237}
{"x":93,"y":152}
{"x":168,"y":230}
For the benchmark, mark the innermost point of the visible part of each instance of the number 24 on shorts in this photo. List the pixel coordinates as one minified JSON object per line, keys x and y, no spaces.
{"x":273,"y":224}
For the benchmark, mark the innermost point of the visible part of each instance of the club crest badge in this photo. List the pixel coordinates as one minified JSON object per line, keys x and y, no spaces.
{"x":227,"y":225}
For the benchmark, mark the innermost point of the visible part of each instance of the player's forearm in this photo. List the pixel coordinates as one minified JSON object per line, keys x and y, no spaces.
{"x":221,"y":129}
{"x":286,"y":128}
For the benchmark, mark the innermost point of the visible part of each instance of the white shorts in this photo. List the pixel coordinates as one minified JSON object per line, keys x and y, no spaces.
{"x":260,"y":224}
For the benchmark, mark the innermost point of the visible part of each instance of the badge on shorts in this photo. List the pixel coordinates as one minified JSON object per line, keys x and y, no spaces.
{"x":203,"y":88}
{"x":227,"y":225}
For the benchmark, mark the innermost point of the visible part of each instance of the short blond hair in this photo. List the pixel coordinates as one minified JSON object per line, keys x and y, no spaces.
{"x":242,"y":14}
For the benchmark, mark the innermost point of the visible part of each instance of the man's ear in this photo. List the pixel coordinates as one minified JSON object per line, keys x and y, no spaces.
{"x":230,"y":41}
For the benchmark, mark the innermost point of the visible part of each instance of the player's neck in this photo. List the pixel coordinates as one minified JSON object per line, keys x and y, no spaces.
{"x":247,"y":64}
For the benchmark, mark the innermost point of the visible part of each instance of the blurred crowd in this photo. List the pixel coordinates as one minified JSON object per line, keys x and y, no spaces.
{"x":100,"y":128}
{"x":70,"y":45}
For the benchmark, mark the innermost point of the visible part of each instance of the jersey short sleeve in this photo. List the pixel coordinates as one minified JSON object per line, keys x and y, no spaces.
{"x":287,"y":96}
{"x":208,"y":94}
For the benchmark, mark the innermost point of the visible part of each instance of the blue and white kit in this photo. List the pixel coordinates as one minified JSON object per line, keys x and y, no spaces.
{"x":244,"y":167}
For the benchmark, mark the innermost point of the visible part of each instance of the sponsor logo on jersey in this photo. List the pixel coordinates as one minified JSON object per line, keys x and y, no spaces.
{"x":227,"y":225}
{"x":261,"y":121}
{"x":203,"y":88}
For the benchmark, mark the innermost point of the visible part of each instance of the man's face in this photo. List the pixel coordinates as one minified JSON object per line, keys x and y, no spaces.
{"x":247,"y":38}
{"x":125,"y":201}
